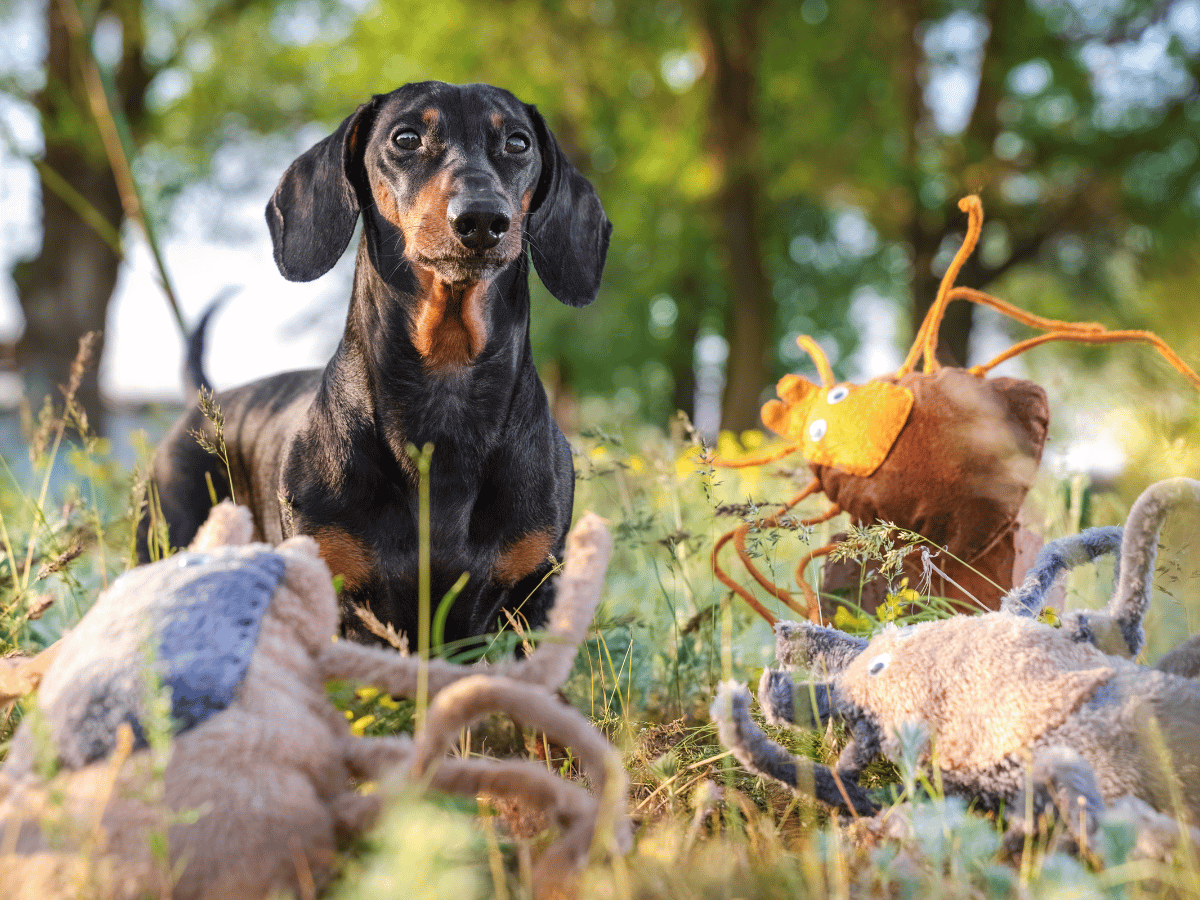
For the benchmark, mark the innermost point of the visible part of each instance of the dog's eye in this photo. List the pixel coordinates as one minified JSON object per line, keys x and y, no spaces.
{"x":516,"y":143}
{"x":406,"y":139}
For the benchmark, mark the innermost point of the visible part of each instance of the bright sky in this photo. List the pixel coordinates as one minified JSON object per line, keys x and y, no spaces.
{"x":266,"y":326}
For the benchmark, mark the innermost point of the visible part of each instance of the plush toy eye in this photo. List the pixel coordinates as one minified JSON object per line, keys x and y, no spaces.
{"x":817,"y":429}
{"x":516,"y":143}
{"x":191,"y":559}
{"x":879,"y":663}
{"x":838,"y":394}
{"x":406,"y":139}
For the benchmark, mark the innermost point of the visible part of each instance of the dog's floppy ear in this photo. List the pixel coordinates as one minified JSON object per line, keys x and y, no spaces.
{"x":312,"y":213}
{"x":568,"y":230}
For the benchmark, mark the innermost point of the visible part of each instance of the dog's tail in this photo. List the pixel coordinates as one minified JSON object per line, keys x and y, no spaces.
{"x":194,"y":379}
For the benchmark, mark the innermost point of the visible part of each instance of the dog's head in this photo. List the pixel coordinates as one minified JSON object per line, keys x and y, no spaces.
{"x":458,"y":177}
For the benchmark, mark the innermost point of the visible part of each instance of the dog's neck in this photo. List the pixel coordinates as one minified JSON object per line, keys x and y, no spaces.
{"x":453,"y":353}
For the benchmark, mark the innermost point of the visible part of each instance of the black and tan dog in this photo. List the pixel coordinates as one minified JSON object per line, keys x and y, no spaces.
{"x":453,"y":183}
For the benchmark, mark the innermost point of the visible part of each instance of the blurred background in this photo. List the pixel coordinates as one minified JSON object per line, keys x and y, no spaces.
{"x":771,"y":169}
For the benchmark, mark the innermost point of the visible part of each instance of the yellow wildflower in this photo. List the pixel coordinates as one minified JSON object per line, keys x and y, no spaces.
{"x":845,"y":620}
{"x":728,"y":446}
{"x":1049,"y":616}
{"x":752,"y":439}
{"x":689,"y":463}
{"x":891,"y":608}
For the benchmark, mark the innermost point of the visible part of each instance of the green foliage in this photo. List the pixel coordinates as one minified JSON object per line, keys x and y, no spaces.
{"x":64,"y":528}
{"x":1074,"y":171}
{"x":425,"y":848}
{"x":1088,"y":165}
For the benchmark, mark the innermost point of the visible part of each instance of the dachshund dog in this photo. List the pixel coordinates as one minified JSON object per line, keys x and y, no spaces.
{"x":453,"y":184}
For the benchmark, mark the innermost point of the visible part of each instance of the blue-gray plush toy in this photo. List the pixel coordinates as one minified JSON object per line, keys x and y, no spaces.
{"x":1011,"y":710}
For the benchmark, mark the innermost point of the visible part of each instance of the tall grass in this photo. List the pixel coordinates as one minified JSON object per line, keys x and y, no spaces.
{"x":64,"y":527}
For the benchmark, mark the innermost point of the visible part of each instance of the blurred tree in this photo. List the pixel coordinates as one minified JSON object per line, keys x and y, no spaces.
{"x":732,"y":39}
{"x":1054,"y":138}
{"x":64,"y":290}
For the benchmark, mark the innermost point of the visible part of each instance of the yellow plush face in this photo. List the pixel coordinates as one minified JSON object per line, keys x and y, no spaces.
{"x":848,"y":426}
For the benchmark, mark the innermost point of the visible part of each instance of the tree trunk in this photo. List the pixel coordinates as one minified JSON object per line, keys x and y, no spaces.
{"x":64,"y":290}
{"x":682,"y":358}
{"x":732,"y":38}
{"x":925,"y":228}
{"x":928,"y":228}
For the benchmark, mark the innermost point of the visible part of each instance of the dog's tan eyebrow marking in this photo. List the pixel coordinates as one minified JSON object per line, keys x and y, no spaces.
{"x":430,"y":116}
{"x":497,"y":119}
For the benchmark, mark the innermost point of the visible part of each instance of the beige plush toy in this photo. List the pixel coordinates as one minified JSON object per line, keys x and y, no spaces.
{"x":1010,"y":710}
{"x":254,"y":788}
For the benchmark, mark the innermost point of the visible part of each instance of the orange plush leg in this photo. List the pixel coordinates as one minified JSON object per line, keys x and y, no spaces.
{"x":810,"y":596}
{"x":724,"y":578}
{"x":739,"y":536}
{"x":1102,"y":337}
{"x":769,"y":457}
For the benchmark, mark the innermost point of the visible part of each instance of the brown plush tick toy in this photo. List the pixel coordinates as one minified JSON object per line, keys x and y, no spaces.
{"x":947,"y":453}
{"x":1013,"y":712}
{"x":249,"y":788}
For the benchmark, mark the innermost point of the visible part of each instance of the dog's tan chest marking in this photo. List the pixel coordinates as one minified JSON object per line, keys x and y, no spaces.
{"x":345,"y":555}
{"x":523,"y":557}
{"x":449,"y":328}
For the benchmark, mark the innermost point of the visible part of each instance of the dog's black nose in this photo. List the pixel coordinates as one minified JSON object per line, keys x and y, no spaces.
{"x":478,"y":222}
